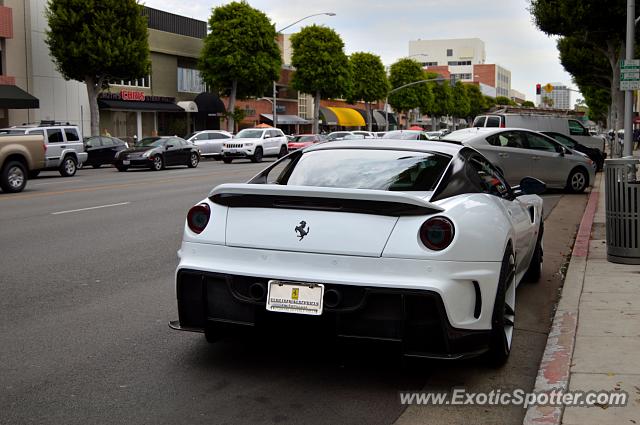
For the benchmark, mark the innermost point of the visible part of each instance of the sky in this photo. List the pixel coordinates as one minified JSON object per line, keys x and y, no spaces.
{"x":384,"y":27}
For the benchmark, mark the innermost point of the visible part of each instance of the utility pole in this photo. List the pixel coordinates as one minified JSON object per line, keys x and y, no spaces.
{"x":628,"y":94}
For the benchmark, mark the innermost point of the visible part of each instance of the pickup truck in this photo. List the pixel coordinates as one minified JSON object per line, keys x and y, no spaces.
{"x":20,"y":156}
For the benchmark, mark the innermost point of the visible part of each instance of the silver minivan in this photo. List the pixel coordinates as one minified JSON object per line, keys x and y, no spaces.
{"x":520,"y":153}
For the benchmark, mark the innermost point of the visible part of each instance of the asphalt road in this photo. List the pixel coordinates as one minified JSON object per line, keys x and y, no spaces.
{"x":86,"y":292}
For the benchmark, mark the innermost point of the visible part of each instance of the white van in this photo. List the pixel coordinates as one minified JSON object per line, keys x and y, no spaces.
{"x":565,"y":125}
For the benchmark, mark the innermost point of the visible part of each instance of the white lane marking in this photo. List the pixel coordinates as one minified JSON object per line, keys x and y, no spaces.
{"x":91,"y":208}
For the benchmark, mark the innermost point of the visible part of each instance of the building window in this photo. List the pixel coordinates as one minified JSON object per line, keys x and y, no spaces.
{"x":458,"y":63}
{"x":449,"y":52}
{"x":460,"y":77}
{"x":429,"y":63}
{"x":144,"y":82}
{"x":190,"y":81}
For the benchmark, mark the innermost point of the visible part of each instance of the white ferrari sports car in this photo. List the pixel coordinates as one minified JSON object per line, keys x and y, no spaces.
{"x":422,"y":244}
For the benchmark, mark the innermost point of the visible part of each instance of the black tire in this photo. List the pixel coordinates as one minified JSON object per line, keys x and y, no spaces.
{"x":96,"y":165}
{"x":13,"y":177}
{"x":194,"y":159}
{"x":535,"y":266}
{"x":157,"y":163}
{"x":503,"y":315}
{"x":578,"y":181}
{"x":68,"y":166}
{"x":33,"y":174}
{"x":257,"y":155}
{"x":122,"y":168}
{"x":227,"y":160}
{"x":283,"y":151}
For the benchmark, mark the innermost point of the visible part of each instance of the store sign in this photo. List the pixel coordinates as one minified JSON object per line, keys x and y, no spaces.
{"x":135,"y":96}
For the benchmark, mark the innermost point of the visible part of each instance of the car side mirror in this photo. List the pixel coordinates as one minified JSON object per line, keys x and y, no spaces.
{"x":169,"y":146}
{"x":530,"y":186}
{"x":267,"y":136}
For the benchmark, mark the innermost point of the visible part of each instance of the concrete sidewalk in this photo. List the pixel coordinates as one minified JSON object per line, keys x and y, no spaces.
{"x":594,"y":343}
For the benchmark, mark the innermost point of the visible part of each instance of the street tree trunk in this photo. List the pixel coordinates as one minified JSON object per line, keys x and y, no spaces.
{"x":369,"y":116}
{"x":614,"y":54}
{"x":316,"y":114}
{"x":231,"y":124}
{"x":93,"y":89}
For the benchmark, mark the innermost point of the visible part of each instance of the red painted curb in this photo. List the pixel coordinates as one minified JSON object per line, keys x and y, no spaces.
{"x":555,"y":366}
{"x":581,"y":246}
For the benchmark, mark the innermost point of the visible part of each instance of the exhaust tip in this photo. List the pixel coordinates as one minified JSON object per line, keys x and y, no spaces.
{"x":332,"y":298}
{"x":258,"y":291}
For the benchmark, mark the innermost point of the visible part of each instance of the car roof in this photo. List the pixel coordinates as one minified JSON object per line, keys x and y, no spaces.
{"x":389,"y":144}
{"x":467,"y":134}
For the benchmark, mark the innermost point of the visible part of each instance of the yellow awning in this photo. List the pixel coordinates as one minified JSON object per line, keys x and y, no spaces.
{"x":348,"y":117}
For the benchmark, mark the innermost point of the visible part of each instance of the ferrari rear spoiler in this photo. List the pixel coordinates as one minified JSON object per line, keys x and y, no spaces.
{"x":363,"y":201}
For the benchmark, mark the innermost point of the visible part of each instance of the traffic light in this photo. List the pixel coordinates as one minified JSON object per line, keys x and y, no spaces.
{"x":538,"y":88}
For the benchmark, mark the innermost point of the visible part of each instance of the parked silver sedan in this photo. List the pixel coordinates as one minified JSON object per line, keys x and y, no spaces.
{"x":519,"y":153}
{"x":209,"y":141}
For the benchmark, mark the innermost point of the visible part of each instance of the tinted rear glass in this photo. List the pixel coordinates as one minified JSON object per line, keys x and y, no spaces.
{"x":493,"y":122}
{"x":369,"y":169}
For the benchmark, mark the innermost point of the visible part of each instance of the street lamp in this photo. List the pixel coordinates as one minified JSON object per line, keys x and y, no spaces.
{"x":386,"y":100}
{"x":274,"y":102}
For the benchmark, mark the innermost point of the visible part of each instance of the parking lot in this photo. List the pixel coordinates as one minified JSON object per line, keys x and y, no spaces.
{"x":87,"y":291}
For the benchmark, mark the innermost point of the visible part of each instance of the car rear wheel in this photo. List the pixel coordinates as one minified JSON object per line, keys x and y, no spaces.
{"x":578,"y":181}
{"x":283,"y":151}
{"x":122,"y":167}
{"x":193,"y":160}
{"x":535,"y":266}
{"x":156,"y":163}
{"x":13,"y":178}
{"x":68,"y":167}
{"x":227,"y":160}
{"x":503,"y":319}
{"x":257,"y":156}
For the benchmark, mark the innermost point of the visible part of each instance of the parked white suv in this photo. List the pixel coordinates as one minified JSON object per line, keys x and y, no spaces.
{"x":255,"y":143}
{"x":64,"y":150}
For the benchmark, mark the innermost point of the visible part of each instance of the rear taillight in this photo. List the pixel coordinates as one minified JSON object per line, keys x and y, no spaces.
{"x":502,"y":125}
{"x":198,"y":218}
{"x":437,"y":233}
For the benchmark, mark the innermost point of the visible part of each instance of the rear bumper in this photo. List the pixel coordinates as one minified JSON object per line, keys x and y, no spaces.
{"x":433,"y":309}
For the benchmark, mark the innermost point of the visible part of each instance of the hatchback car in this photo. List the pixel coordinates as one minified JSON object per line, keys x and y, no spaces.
{"x":158,"y":152}
{"x":102,"y":150}
{"x":596,"y":155}
{"x":519,"y":153}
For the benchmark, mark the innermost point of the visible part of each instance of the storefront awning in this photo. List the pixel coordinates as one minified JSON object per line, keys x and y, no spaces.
{"x":379,"y":118}
{"x":13,"y":97}
{"x":139,"y":106}
{"x":188,"y":106}
{"x":348,"y":117}
{"x":286,"y":119}
{"x":392,"y":117}
{"x":328,"y":117}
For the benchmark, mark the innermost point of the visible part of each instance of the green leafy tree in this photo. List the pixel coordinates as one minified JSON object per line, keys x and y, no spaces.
{"x":240,"y":57}
{"x":504,"y":100}
{"x":322,"y":68}
{"x":547,"y":101}
{"x":599,"y":26}
{"x":528,"y":104}
{"x":369,"y":81}
{"x":477,"y":102}
{"x":490,"y":102}
{"x":403,"y":72}
{"x":461,"y":102}
{"x":95,"y":41}
{"x":443,"y":99}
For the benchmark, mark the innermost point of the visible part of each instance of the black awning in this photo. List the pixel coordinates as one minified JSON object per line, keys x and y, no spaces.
{"x":139,"y":106}
{"x":13,"y":97}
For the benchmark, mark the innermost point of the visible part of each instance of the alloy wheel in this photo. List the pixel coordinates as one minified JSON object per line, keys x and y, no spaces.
{"x":578,"y":181}
{"x":15,"y":177}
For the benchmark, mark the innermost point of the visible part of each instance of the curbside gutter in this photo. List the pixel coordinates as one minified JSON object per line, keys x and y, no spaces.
{"x":555,"y":366}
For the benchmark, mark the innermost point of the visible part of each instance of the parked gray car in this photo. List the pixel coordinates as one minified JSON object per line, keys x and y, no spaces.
{"x":209,"y":141}
{"x":519,"y":153}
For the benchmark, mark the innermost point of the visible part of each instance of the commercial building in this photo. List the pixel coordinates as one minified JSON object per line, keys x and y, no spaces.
{"x":171,"y":100}
{"x":559,"y":94}
{"x":462,"y":60}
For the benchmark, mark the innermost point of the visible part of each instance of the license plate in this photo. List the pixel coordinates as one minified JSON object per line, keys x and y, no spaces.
{"x":232,"y":151}
{"x":126,"y":162}
{"x":295,"y":297}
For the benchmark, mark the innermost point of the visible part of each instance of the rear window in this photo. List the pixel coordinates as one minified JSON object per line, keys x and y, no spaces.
{"x":402,"y":135}
{"x":493,"y":122}
{"x":9,"y":132}
{"x":479,"y":122}
{"x":369,"y":169}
